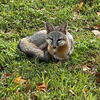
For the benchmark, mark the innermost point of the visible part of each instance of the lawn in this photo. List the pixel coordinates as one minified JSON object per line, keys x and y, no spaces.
{"x":20,"y":76}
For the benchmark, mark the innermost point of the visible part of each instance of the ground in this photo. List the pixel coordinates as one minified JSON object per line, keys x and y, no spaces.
{"x":21,"y":18}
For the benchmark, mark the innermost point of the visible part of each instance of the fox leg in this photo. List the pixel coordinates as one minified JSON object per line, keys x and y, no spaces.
{"x":69,"y":65}
{"x":32,"y":50}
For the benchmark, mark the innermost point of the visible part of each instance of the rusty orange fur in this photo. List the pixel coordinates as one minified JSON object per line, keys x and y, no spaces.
{"x":61,"y":50}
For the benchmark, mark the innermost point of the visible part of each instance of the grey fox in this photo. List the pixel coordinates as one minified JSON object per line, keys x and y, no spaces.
{"x":54,"y":41}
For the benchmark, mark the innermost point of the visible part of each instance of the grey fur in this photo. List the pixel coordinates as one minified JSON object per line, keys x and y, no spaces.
{"x":36,"y":45}
{"x":38,"y":38}
{"x":71,"y":43}
{"x":71,"y":47}
{"x":54,"y":37}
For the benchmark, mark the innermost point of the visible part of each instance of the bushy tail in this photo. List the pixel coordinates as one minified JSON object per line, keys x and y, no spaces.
{"x":31,"y":49}
{"x":23,"y":45}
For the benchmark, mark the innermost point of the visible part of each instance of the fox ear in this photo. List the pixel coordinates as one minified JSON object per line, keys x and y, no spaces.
{"x":49,"y":27}
{"x":62,"y":27}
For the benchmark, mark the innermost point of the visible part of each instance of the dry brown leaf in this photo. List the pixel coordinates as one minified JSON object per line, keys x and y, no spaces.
{"x":97,"y":33}
{"x":80,"y":5}
{"x":19,"y":80}
{"x":98,"y":26}
{"x":28,"y":86}
{"x":42,"y":87}
{"x":98,"y":13}
{"x":75,"y":15}
{"x":97,"y":74}
{"x":97,"y":80}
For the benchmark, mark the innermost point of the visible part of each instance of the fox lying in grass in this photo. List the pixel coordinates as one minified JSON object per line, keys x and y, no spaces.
{"x":54,"y":41}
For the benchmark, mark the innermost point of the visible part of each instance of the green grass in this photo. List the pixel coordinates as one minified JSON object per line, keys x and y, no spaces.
{"x":22,"y":18}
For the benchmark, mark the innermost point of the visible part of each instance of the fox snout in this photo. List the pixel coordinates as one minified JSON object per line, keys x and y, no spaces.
{"x":54,"y":48}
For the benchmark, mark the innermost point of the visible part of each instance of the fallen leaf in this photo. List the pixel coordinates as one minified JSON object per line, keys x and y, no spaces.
{"x":95,"y":29}
{"x":97,"y":26}
{"x":97,"y":80}
{"x":88,"y":27}
{"x":98,"y":13}
{"x":42,"y":87}
{"x":80,"y":5}
{"x":97,"y":33}
{"x":19,"y":80}
{"x":75,"y":15}
{"x":97,"y":74}
{"x":85,"y":69}
{"x":28,"y":86}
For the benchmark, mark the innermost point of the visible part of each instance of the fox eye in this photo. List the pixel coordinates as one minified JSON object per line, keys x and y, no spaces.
{"x":50,"y":38}
{"x":61,"y":42}
{"x":59,"y":39}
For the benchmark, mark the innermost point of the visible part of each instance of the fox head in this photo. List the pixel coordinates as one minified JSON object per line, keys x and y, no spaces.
{"x":56,"y":36}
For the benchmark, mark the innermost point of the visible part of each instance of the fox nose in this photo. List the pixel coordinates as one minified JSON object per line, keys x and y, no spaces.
{"x":54,"y":47}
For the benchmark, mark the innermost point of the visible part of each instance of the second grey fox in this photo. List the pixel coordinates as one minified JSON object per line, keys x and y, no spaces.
{"x":54,"y":41}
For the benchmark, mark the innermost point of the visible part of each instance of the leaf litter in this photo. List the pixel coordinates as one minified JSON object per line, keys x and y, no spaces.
{"x":80,"y":5}
{"x":19,"y":80}
{"x":98,"y":13}
{"x":42,"y":87}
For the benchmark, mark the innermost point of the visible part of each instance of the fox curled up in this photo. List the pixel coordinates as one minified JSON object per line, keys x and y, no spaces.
{"x":54,"y":41}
